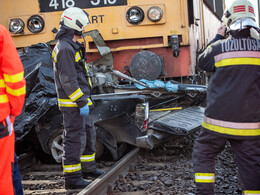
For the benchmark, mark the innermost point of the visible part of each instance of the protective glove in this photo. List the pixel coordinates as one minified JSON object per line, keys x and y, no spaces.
{"x":151,"y":84}
{"x":159,"y":84}
{"x":141,"y":86}
{"x":171,"y":87}
{"x":84,"y":111}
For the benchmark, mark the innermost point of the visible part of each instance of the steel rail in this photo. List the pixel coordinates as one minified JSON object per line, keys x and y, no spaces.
{"x":101,"y":185}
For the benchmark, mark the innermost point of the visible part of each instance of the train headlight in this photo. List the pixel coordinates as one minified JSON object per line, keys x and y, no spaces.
{"x":135,"y":15}
{"x":155,"y":14}
{"x":35,"y":24}
{"x":16,"y":25}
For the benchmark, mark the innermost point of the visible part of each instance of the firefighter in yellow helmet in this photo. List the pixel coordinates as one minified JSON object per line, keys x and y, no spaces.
{"x":73,"y":86}
{"x":233,"y":100}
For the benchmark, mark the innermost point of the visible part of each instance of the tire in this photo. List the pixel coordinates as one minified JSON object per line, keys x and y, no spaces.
{"x":55,"y":145}
{"x":99,"y":149}
{"x":46,"y":129}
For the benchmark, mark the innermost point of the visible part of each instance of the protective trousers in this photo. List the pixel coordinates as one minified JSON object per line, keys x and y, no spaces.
{"x":208,"y":146}
{"x":6,"y":156}
{"x":79,"y":145}
{"x":17,"y":181}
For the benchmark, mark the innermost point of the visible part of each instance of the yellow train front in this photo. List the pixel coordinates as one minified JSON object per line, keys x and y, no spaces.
{"x":149,"y":39}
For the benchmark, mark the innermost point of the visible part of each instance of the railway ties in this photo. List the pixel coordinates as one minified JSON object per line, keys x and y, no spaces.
{"x":138,"y":172}
{"x":164,"y":170}
{"x":40,"y":178}
{"x":43,"y":179}
{"x":105,"y":183}
{"x":167,"y":169}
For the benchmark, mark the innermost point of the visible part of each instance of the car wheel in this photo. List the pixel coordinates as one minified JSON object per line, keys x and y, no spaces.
{"x":55,"y":145}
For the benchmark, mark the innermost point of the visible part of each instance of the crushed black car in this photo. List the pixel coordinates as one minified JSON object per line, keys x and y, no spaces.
{"x":123,"y":114}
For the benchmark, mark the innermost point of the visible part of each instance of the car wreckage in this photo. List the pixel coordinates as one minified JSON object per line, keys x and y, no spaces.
{"x":124,"y":114}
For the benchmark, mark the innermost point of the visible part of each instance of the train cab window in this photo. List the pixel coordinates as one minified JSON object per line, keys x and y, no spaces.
{"x":216,"y":6}
{"x":191,"y":12}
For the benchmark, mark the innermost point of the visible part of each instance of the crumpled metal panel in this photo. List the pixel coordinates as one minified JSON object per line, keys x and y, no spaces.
{"x":179,"y":122}
{"x":40,"y":87}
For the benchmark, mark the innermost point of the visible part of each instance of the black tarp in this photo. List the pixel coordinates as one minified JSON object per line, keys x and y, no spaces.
{"x":40,"y":87}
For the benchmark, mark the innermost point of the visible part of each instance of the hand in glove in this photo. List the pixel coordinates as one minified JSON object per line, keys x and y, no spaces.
{"x":84,"y":111}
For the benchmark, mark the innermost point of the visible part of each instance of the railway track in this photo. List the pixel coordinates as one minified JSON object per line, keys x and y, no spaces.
{"x":167,"y":169}
{"x":42,"y":178}
{"x":105,"y":184}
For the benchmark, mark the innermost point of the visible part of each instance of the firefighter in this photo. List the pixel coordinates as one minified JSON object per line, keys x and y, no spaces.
{"x":233,"y":101}
{"x":12,"y":94}
{"x":73,"y":86}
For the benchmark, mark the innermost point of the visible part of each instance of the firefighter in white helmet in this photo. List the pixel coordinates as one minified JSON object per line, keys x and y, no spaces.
{"x":73,"y":86}
{"x":232,"y":113}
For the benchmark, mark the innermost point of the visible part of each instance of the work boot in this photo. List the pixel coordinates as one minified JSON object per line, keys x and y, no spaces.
{"x":93,"y":174}
{"x":79,"y":184}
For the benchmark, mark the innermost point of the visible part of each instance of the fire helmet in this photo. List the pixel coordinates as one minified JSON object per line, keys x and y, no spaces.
{"x":75,"y":18}
{"x":240,"y":14}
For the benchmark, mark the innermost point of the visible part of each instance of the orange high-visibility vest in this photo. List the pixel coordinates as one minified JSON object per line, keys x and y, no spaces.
{"x":12,"y":82}
{"x":12,"y":94}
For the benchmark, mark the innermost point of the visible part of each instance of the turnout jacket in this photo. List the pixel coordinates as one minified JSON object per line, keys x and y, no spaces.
{"x":233,"y":99}
{"x":73,"y":84}
{"x":12,"y":95}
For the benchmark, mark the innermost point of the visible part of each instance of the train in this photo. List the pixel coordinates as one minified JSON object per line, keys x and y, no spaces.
{"x":173,"y":31}
{"x":126,"y":41}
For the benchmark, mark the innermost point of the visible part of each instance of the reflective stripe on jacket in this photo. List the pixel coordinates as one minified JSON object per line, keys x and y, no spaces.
{"x":12,"y":82}
{"x":71,"y":77}
{"x":233,"y":100}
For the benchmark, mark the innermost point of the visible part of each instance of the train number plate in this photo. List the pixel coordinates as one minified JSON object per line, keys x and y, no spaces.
{"x":59,"y":5}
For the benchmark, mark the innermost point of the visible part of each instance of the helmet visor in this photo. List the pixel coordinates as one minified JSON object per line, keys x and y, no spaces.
{"x":243,"y":23}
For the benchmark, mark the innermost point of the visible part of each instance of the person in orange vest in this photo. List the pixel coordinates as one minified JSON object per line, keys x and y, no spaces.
{"x":12,"y":95}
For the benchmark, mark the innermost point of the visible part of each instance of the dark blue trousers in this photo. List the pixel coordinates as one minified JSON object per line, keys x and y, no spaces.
{"x":208,"y":146}
{"x":17,"y":181}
